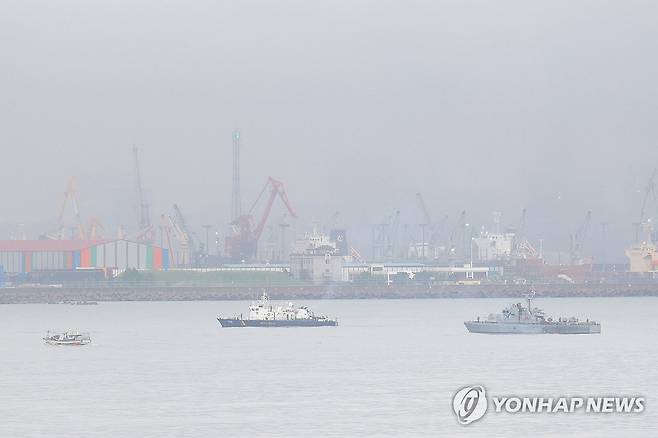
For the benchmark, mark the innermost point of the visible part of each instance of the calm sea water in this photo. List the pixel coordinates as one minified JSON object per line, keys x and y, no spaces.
{"x":390,"y":369}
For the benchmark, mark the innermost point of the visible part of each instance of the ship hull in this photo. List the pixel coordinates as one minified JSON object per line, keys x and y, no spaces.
{"x":503,"y":328}
{"x":55,"y":342}
{"x":574,"y":329}
{"x":237,"y":322}
{"x":531,"y":328}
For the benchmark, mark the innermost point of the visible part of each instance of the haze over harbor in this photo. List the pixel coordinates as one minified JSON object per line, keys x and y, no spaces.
{"x":341,"y":219}
{"x":355,"y":106}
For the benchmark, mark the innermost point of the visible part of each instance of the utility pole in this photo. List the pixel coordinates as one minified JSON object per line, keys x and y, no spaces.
{"x":604,"y":232}
{"x":470,"y":248}
{"x":466,"y":227}
{"x":422,"y":241}
{"x":236,"y":206}
{"x":427,"y":222}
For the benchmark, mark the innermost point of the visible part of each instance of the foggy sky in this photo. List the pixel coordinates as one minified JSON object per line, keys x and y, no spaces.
{"x":355,"y":106}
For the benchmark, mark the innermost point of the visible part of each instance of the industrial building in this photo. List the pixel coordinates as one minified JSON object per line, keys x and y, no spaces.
{"x":321,"y":258}
{"x":316,"y":268}
{"x":317,"y":257}
{"x":351,"y":271}
{"x":493,"y":246}
{"x":24,"y":256}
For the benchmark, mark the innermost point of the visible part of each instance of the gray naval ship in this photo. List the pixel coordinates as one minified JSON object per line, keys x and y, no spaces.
{"x":263,"y":314}
{"x":518,"y":318}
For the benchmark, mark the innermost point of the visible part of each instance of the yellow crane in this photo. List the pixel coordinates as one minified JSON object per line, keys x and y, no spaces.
{"x":80,"y":232}
{"x":69,"y":197}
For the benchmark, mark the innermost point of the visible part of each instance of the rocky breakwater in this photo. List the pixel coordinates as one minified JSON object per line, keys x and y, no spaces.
{"x":35,"y":294}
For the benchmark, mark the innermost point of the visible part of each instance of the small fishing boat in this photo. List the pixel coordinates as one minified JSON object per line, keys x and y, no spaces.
{"x":67,"y":338}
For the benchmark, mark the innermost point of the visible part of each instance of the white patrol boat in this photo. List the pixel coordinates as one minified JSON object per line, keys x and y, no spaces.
{"x":263,"y":314}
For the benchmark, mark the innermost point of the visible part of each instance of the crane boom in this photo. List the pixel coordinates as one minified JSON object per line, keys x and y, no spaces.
{"x":459,"y":227}
{"x":579,"y":237}
{"x":69,"y":197}
{"x":650,"y":189}
{"x":145,"y":233}
{"x":423,"y":209}
{"x":180,"y":220}
{"x":242,"y":243}
{"x":276,"y":188}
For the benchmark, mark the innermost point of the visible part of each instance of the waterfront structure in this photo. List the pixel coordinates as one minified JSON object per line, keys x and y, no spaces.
{"x":493,"y":246}
{"x":24,"y":256}
{"x":351,"y":271}
{"x":316,"y":257}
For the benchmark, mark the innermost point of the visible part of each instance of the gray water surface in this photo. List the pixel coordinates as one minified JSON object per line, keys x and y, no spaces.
{"x":157,"y":369}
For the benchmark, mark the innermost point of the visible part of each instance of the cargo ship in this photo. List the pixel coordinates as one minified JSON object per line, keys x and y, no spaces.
{"x":263,"y":314}
{"x":520,"y":319}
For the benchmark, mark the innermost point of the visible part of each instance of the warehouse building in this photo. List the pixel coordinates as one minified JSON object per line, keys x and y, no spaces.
{"x":24,"y":256}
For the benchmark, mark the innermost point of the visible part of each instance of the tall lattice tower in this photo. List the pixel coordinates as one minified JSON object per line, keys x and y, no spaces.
{"x":236,"y":206}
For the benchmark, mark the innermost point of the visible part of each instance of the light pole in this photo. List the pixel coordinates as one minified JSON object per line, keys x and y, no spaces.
{"x":604,"y":230}
{"x":422,"y":241}
{"x":466,"y":227}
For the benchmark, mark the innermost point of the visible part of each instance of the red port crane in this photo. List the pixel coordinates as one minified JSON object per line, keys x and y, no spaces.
{"x":242,"y":243}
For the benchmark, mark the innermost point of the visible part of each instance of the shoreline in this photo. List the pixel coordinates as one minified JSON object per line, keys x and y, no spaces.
{"x":45,"y":295}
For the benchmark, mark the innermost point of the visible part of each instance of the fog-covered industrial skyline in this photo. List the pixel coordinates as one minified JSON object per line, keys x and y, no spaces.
{"x":354,"y":106}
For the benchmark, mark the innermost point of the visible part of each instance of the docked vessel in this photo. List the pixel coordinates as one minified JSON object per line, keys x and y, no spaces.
{"x":67,"y":338}
{"x":263,"y":314}
{"x":521,"y":319}
{"x":83,"y":303}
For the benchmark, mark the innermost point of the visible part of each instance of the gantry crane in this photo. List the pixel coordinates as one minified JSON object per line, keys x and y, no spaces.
{"x":430,"y":230}
{"x":385,"y":237}
{"x":645,"y":221}
{"x":522,"y":248}
{"x":93,"y":231}
{"x":182,"y":224}
{"x":242,"y":242}
{"x":146,"y":233}
{"x":649,"y":190}
{"x":186,"y":245}
{"x":427,"y":219}
{"x":578,"y":239}
{"x":181,"y":255}
{"x":460,"y":228}
{"x":70,"y":197}
{"x":425,"y":226}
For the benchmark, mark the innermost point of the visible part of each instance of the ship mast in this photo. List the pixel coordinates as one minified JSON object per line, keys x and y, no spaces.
{"x":529,"y":297}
